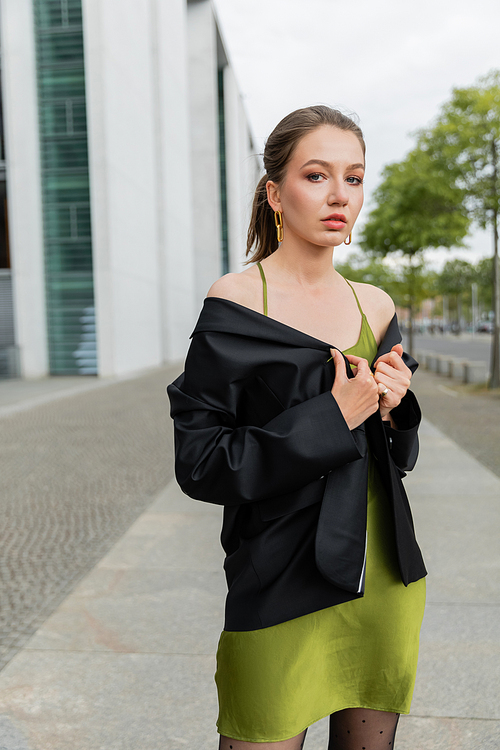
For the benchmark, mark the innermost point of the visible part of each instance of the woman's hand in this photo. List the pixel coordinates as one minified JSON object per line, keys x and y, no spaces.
{"x":392,"y":373}
{"x":357,"y":397}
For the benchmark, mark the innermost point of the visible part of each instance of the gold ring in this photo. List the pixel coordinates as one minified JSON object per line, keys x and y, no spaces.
{"x":385,"y":391}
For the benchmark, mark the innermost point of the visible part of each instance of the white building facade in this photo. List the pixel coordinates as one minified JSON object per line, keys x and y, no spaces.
{"x":128,"y":172}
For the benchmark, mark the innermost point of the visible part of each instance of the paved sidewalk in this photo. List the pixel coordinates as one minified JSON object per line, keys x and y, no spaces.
{"x":468,"y":416}
{"x":18,"y":395}
{"x":127,"y":660}
{"x":78,"y":467}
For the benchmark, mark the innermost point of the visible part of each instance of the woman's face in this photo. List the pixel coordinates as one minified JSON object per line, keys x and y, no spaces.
{"x":322,"y":193}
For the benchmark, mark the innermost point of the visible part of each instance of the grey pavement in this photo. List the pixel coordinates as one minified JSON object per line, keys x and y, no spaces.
{"x":18,"y":395}
{"x":469,"y":416}
{"x":80,"y":460}
{"x":465,"y":345}
{"x":127,"y":659}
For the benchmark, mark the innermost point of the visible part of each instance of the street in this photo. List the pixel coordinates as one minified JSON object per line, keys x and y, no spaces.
{"x":115,"y":592}
{"x":467,"y":346}
{"x":469,"y":418}
{"x":76,"y":472}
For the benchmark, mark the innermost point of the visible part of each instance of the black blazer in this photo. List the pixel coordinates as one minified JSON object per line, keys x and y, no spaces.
{"x":258,"y":431}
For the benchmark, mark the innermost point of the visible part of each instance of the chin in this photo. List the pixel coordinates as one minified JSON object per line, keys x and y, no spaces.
{"x":334,"y":242}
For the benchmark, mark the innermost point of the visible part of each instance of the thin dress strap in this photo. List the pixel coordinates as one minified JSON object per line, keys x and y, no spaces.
{"x":264,"y":291}
{"x":264,"y":287}
{"x":356,"y":298}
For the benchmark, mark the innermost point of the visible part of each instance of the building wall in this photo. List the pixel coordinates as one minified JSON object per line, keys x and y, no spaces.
{"x":24,"y":184}
{"x":140,"y":176}
{"x":151,"y":76}
{"x":69,"y":279}
{"x":173,"y":148}
{"x":242,"y":169}
{"x":203,"y":67}
{"x":120,"y":106}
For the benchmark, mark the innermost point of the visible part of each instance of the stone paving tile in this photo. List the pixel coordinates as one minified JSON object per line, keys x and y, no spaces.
{"x":125,"y":611}
{"x":76,"y":473}
{"x":19,"y":395}
{"x":426,"y":733}
{"x":108,"y":701}
{"x":75,"y":685}
{"x":456,"y":506}
{"x":161,"y":541}
{"x":469,"y":418}
{"x":458,"y":669}
{"x":73,"y":689}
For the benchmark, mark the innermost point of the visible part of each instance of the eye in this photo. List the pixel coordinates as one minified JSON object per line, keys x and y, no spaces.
{"x":315,"y":177}
{"x":353,"y":180}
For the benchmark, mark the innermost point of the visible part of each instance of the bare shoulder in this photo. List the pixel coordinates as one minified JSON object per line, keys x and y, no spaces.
{"x":242,"y":288}
{"x":375,"y":299}
{"x":377,"y":305}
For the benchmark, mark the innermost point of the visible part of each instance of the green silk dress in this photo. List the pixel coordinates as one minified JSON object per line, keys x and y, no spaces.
{"x":276,"y":681}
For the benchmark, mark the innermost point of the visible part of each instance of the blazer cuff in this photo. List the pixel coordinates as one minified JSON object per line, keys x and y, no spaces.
{"x":320,"y":424}
{"x":403,"y":441}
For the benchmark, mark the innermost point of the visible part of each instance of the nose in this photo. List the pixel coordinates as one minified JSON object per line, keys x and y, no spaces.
{"x":338,"y":194}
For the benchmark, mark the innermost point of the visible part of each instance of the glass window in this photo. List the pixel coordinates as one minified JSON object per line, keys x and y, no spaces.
{"x":223,"y":177}
{"x":65,"y":187}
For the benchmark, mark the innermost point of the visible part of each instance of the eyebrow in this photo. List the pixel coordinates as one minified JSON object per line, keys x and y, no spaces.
{"x":327,"y":164}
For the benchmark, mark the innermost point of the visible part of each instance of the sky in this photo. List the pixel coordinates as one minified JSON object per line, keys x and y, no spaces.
{"x":393,"y":63}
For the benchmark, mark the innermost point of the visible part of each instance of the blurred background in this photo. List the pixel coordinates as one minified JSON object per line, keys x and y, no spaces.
{"x":130,"y":134}
{"x":130,"y":141}
{"x":126,"y":173}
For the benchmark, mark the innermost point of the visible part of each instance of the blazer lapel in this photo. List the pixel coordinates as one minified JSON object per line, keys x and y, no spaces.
{"x":391,"y":338}
{"x":224,"y":316}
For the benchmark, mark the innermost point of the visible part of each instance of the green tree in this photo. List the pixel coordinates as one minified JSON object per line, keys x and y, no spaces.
{"x":464,"y":143}
{"x":393,"y":279}
{"x":370,"y":270}
{"x":416,"y":208}
{"x":456,"y":279}
{"x":484,"y":275}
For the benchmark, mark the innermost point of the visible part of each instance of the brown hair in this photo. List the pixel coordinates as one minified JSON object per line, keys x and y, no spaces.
{"x":277,"y":152}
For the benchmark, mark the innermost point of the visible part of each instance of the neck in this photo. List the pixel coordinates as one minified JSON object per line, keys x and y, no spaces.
{"x":309,"y":265}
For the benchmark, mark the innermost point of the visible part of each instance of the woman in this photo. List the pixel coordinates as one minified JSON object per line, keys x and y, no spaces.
{"x":279,"y":418}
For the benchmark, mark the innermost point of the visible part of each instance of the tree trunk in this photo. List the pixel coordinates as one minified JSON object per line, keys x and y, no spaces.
{"x":495,"y":344}
{"x":445,"y":313}
{"x":411,"y":307}
{"x":410,"y":331}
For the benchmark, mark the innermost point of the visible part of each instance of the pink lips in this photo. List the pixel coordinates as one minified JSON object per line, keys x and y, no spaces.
{"x":335,"y":221}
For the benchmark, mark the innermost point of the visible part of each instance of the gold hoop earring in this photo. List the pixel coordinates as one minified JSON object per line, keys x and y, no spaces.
{"x":278,"y":220}
{"x":350,"y":240}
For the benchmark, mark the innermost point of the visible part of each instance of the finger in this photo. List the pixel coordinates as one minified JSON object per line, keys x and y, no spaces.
{"x":363,"y":371}
{"x":385,"y":368}
{"x":394,"y":363}
{"x":356,"y":360}
{"x":396,"y":360}
{"x":393,"y":357}
{"x":359,"y":366}
{"x":385,"y":371}
{"x":392,"y":378}
{"x":383,"y":390}
{"x":338,"y":361}
{"x":389,"y":378}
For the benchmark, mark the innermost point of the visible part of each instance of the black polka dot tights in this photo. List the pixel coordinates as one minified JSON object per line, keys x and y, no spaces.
{"x":350,"y":729}
{"x":362,"y":729}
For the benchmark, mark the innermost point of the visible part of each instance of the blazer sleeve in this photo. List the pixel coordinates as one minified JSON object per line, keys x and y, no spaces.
{"x":403,"y":442}
{"x":221,"y":462}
